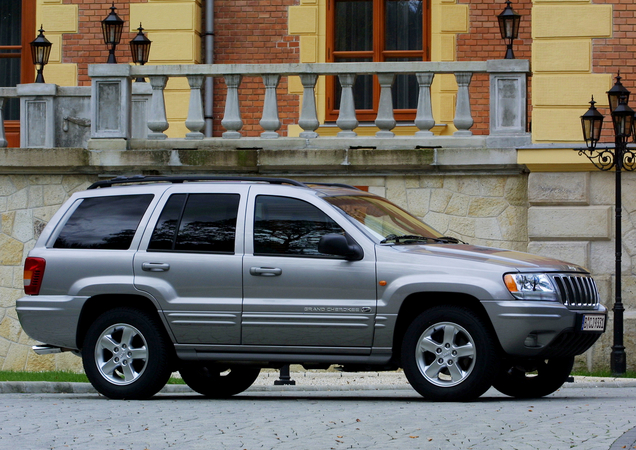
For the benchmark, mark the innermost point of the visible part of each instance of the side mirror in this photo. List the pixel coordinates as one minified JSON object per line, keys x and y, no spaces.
{"x":339,"y":245}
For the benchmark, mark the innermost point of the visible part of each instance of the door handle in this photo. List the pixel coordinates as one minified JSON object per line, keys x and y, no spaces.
{"x":266,"y":271}
{"x":155,"y":267}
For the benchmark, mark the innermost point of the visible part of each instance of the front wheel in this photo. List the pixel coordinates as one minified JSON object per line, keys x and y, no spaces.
{"x":126,"y":354}
{"x":448,"y":354}
{"x":215,"y":381}
{"x":534,"y":378}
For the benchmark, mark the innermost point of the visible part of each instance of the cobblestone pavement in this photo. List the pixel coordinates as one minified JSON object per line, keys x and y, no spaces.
{"x":329,"y":411}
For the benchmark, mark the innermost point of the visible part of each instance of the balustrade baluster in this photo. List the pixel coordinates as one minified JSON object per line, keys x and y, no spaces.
{"x":424,"y":120}
{"x":463,"y":119}
{"x":269,"y":120}
{"x":157,"y":120}
{"x":347,"y":120}
{"x":385,"y":120}
{"x":232,"y":120}
{"x":195,"y":121}
{"x":308,"y":117}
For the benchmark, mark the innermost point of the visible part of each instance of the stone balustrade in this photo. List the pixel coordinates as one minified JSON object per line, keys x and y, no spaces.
{"x":117,"y":109}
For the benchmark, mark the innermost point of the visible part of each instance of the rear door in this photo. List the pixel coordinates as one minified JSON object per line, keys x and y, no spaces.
{"x":295,"y":296}
{"x":191,"y":261}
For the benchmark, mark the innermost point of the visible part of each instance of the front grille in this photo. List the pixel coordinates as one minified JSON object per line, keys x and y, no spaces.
{"x":577,"y":291}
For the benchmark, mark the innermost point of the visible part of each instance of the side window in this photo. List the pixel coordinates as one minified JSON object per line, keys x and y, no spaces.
{"x":104,"y":222}
{"x":197,"y":223}
{"x":288,"y":226}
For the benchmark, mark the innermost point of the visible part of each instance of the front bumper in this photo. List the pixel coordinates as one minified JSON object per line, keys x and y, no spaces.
{"x":541,"y":329}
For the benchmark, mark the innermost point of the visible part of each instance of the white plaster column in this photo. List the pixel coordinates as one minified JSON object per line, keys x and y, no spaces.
{"x":347,"y":120}
{"x":463,"y":119}
{"x":424,"y":119}
{"x":157,"y":120}
{"x":269,"y":120}
{"x":308,"y":117}
{"x":195,"y":121}
{"x":385,"y":120}
{"x":232,"y":120}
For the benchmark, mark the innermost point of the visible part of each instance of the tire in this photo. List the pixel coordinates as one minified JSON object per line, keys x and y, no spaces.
{"x":534,"y":379}
{"x":215,"y":381}
{"x":449,"y":354}
{"x":126,"y":354}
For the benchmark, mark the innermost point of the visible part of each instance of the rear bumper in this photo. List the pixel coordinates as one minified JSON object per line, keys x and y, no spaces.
{"x":51,"y":319}
{"x":540,"y":329}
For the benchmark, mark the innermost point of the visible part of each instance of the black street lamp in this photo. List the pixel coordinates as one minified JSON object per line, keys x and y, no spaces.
{"x":619,"y":158}
{"x":40,"y":52}
{"x":509,"y":27}
{"x":112,"y":27}
{"x":140,"y":49}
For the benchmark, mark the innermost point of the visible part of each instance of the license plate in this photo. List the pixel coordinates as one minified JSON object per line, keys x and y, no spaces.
{"x":593,"y":322}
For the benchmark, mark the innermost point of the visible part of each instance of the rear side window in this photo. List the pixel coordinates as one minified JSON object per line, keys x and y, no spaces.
{"x":197,"y":223}
{"x":104,"y":222}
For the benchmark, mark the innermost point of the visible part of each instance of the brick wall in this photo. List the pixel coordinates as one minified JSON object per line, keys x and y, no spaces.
{"x":617,"y":53}
{"x":252,"y":31}
{"x":87,"y":46}
{"x":483,"y":42}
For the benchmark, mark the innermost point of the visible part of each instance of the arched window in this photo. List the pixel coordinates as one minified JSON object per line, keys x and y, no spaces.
{"x":17,"y":29}
{"x":378,"y":31}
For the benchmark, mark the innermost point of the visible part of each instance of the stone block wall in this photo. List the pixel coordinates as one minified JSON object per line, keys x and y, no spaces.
{"x":480,"y":209}
{"x":571,"y":217}
{"x":27,"y":203}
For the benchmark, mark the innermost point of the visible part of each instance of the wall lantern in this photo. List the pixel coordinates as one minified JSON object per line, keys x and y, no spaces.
{"x":592,"y":122}
{"x":112,"y":27}
{"x":509,"y":27}
{"x":140,"y":49}
{"x":40,"y":52}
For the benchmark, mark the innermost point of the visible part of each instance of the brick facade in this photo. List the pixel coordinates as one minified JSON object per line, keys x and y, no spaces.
{"x":250,"y":31}
{"x":617,"y":53}
{"x":483,"y":42}
{"x":87,"y":46}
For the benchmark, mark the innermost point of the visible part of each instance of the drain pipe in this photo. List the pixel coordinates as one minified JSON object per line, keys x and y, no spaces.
{"x":209,"y":59}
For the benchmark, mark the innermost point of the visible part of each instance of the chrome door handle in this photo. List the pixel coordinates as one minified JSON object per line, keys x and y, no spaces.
{"x":266,"y":271}
{"x":155,"y":267}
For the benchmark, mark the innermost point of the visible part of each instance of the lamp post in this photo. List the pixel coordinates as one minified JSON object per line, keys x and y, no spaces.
{"x":112,"y":27}
{"x":509,"y":27}
{"x":140,"y":49}
{"x":618,"y":158}
{"x":40,"y":52}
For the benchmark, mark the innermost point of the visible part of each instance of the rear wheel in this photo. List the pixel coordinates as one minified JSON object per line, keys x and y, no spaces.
{"x":448,"y":354}
{"x":216,"y":381}
{"x":126,"y":354}
{"x":534,"y":378}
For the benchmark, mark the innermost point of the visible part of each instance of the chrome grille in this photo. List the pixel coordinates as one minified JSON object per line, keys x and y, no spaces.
{"x":577,"y":291}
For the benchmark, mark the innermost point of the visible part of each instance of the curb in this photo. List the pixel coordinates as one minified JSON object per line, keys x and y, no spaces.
{"x":44,"y":387}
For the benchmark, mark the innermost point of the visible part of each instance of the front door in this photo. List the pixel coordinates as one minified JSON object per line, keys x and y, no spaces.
{"x":295,"y":296}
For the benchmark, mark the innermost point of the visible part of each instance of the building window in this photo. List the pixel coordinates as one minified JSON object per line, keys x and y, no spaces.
{"x":377,"y":31}
{"x":17,"y":29}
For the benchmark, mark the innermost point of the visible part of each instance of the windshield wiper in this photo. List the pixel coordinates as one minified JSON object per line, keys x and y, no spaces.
{"x":407,"y":238}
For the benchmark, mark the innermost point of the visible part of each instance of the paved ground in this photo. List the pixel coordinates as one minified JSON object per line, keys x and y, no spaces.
{"x":323,"y":411}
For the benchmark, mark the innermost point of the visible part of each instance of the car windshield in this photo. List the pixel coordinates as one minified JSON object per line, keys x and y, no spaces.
{"x":383,"y":220}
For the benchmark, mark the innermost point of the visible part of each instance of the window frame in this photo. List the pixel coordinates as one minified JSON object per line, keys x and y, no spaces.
{"x":378,"y":54}
{"x":27,"y":69}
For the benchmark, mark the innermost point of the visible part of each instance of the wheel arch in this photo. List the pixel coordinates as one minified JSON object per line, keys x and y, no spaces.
{"x":99,"y":304}
{"x":415,"y":304}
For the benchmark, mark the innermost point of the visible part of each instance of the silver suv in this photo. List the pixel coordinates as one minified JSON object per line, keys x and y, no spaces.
{"x":218,"y":277}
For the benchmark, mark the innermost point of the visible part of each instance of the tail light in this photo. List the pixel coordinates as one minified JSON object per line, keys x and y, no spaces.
{"x":33,"y":274}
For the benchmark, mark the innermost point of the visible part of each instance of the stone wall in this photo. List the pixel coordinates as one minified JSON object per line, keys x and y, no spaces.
{"x":571,"y":217}
{"x":482,"y":209}
{"x":27,"y":203}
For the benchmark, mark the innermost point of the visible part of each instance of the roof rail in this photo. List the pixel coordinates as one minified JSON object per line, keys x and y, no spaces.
{"x":341,"y":185}
{"x":189,"y":178}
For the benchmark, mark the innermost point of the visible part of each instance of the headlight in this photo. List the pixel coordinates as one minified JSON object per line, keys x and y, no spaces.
{"x":531,"y":286}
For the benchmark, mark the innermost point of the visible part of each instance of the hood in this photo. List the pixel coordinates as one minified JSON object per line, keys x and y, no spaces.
{"x":501,"y":257}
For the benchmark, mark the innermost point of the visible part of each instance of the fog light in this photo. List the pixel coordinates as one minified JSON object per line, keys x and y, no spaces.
{"x":532,"y":340}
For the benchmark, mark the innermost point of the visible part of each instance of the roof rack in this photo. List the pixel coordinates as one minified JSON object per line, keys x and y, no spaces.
{"x":189,"y":178}
{"x":341,"y":185}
